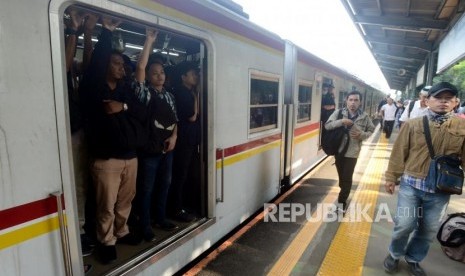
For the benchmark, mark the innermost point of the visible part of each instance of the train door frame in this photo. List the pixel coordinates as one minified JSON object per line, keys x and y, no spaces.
{"x":55,"y":13}
{"x":288,"y":113}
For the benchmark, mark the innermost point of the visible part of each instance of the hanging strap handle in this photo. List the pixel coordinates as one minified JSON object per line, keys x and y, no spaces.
{"x":428,"y":136}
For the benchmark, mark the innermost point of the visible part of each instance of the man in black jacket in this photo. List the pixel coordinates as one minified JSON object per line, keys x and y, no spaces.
{"x":113,"y":126}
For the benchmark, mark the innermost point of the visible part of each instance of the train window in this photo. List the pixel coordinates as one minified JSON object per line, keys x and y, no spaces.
{"x":342,"y":98}
{"x":304,"y":110}
{"x":263,"y":103}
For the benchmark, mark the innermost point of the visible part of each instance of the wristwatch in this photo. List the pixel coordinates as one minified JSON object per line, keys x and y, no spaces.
{"x":125,"y":106}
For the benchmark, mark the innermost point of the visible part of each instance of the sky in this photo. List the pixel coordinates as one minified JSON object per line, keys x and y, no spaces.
{"x":321,"y":27}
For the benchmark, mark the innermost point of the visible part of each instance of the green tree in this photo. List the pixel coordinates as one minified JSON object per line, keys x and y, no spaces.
{"x":456,"y":76}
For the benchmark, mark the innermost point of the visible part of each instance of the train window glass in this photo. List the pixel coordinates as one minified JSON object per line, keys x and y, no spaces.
{"x":264,"y":94}
{"x":342,"y":98}
{"x":304,"y":109}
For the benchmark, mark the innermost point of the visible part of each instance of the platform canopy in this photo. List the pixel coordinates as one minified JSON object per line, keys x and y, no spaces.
{"x":404,"y":35}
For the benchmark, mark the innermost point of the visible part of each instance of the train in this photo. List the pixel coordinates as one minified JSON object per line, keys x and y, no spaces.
{"x":260,"y":106}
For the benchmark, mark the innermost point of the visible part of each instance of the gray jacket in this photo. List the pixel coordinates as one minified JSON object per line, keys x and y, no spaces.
{"x":363,"y":122}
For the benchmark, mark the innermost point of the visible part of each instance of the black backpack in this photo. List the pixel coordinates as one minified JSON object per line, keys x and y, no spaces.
{"x":451,"y":236}
{"x":410,"y":107}
{"x":331,"y":139}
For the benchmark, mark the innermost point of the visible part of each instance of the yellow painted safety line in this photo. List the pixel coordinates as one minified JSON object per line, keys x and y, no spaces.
{"x":346,"y":254}
{"x":29,"y":232}
{"x":294,"y":251}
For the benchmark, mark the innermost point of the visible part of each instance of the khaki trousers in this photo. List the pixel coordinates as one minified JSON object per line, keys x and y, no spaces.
{"x":115,"y":186}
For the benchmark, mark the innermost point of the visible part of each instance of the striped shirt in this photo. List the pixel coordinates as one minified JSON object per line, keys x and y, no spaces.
{"x":145,"y":92}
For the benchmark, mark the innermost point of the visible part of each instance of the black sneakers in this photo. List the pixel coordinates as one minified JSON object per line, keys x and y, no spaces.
{"x":415,"y":269}
{"x":86,"y":249}
{"x":167,"y":226}
{"x":129,"y":239}
{"x":149,"y":235}
{"x":107,"y":254}
{"x":87,"y":245}
{"x":343,"y":210}
{"x":390,"y":264}
{"x":87,"y":268}
{"x":184,"y":216}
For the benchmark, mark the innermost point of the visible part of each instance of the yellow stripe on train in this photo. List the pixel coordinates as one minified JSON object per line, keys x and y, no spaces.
{"x":249,"y":153}
{"x":28,"y":232}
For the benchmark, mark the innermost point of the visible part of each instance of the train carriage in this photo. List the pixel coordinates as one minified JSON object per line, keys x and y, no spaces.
{"x":260,"y":118}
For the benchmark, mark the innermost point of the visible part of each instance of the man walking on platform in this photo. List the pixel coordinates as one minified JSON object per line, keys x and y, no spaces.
{"x":388,"y":114}
{"x":416,"y":108}
{"x":420,"y":208}
{"x":359,"y":126}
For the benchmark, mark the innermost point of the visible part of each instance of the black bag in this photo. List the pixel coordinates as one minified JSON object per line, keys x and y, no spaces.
{"x":444,"y":170}
{"x":449,"y":176}
{"x":451,"y":236}
{"x":332,"y":139}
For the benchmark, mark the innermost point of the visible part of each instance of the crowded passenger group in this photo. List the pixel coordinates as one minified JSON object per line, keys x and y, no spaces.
{"x":130,"y":131}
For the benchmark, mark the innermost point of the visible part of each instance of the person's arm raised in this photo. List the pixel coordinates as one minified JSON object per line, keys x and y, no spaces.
{"x":151,"y":35}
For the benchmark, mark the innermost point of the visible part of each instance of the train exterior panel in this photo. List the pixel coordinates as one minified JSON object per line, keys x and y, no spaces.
{"x":260,"y":100}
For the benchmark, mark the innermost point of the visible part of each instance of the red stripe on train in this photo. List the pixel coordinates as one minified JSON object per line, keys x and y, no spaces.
{"x":306,"y":129}
{"x":27,"y":212}
{"x":247,"y":146}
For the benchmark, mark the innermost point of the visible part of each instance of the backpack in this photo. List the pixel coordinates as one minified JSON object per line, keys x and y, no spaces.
{"x":410,"y":107}
{"x":331,"y":139}
{"x":451,"y":236}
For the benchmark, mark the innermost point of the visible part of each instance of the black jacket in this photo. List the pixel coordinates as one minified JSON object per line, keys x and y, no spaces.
{"x":115,"y":135}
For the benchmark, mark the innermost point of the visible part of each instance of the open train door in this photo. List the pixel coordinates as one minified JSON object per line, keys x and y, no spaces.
{"x":288,"y":122}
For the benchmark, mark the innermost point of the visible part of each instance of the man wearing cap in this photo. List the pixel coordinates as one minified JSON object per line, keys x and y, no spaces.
{"x":417,"y":108}
{"x":420,"y":208}
{"x":187,"y":149}
{"x":328,"y":104}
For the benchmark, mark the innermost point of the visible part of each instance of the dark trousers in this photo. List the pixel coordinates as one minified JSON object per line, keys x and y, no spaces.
{"x":345,"y":169}
{"x":183,"y":155}
{"x":154,"y":179}
{"x":388,"y":126}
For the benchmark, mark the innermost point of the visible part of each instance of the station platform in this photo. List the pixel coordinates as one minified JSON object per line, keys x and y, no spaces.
{"x":277,"y":243}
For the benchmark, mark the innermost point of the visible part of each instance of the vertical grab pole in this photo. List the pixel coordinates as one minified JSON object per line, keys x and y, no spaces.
{"x":221,"y":198}
{"x":63,"y":233}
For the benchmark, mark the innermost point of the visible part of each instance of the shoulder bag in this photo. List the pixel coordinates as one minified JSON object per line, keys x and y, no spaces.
{"x":444,"y":170}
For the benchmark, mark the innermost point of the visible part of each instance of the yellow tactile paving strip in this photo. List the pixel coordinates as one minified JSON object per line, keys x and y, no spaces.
{"x":294,"y":251}
{"x":347,"y":251}
{"x":346,"y":254}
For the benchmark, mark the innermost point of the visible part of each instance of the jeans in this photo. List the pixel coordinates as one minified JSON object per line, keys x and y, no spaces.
{"x":156,"y":170}
{"x":418,"y":218}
